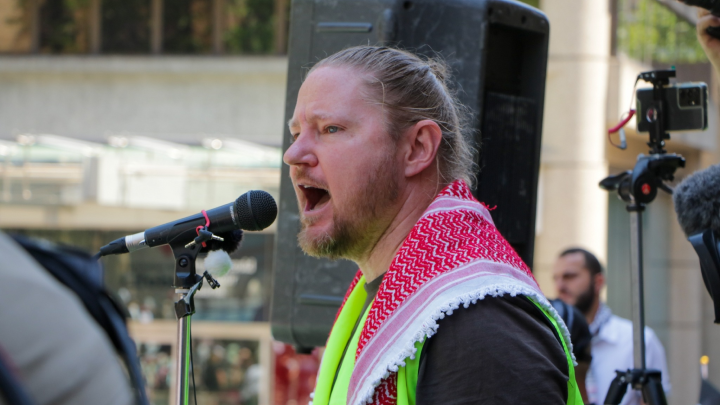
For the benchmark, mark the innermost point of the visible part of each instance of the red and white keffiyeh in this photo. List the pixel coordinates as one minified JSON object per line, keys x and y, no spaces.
{"x":453,"y":256}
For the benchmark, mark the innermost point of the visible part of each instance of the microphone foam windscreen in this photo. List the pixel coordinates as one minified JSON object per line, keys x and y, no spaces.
{"x":697,"y":201}
{"x":218,"y":263}
{"x":255,"y":210}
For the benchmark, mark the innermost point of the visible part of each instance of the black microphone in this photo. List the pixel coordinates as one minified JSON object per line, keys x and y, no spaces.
{"x":252,"y":211}
{"x":697,"y":204}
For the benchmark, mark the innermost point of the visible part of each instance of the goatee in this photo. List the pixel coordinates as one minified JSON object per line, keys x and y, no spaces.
{"x":357,"y":226}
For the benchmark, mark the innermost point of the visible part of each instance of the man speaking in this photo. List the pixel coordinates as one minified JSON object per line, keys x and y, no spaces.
{"x":442,"y":310}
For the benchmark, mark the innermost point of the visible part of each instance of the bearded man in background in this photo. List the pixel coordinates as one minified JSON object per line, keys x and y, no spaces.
{"x":579,"y":279}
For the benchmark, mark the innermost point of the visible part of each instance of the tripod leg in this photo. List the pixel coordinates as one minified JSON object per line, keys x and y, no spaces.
{"x":653,"y":393}
{"x":617,"y":389}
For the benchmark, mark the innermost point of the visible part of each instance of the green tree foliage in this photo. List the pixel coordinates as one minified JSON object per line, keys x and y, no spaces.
{"x":250,"y":26}
{"x":650,"y":32}
{"x":125,"y":26}
{"x":187,"y":26}
{"x":64,"y":26}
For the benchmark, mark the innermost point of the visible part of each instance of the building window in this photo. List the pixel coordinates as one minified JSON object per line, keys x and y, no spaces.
{"x":187,"y":26}
{"x":125,"y":26}
{"x":144,"y":26}
{"x":250,"y":26}
{"x":64,"y":26}
{"x":16,"y":20}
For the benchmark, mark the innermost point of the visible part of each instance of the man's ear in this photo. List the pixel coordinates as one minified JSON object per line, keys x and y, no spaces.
{"x":599,"y":282}
{"x":422,"y":144}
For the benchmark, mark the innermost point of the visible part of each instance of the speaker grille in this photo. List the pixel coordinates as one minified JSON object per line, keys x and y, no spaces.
{"x":507,"y":170}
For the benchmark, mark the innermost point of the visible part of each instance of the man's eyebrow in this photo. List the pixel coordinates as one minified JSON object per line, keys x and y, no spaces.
{"x":313,"y":116}
{"x":317,"y":116}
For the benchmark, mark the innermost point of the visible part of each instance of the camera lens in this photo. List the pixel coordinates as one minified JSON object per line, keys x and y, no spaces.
{"x":689,"y":97}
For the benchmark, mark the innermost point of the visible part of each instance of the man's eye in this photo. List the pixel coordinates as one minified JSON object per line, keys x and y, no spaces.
{"x":332,"y":129}
{"x":293,"y":137}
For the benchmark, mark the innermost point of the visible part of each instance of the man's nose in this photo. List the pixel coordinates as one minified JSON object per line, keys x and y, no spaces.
{"x":301,"y":152}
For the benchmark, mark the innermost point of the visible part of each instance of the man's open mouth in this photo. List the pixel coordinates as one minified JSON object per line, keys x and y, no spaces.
{"x":315,"y":197}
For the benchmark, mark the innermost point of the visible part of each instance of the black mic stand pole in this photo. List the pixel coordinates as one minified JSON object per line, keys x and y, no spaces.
{"x":638,"y":188}
{"x":187,"y":282}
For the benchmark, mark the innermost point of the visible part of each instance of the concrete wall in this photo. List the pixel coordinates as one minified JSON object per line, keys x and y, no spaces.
{"x":173,"y":98}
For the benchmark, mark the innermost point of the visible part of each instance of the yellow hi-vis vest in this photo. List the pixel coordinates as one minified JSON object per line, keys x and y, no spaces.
{"x":326,"y":394}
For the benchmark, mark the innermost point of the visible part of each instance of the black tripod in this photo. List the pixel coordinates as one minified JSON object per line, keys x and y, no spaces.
{"x":638,"y":188}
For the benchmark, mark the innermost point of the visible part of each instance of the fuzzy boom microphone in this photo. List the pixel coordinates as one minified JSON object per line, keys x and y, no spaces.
{"x":218,"y":262}
{"x":697,"y":201}
{"x":697,"y":204}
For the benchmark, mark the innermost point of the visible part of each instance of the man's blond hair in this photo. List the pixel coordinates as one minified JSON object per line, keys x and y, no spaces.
{"x":411,"y":89}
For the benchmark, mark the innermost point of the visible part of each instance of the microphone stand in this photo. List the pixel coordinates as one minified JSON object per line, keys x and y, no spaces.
{"x":187,"y":282}
{"x":638,"y":188}
{"x":234,"y":216}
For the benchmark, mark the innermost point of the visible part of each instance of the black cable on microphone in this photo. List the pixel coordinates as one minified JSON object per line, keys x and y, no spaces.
{"x":252,"y":211}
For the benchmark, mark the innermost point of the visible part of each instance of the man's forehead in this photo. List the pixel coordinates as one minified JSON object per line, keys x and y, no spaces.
{"x":569,"y":270}
{"x":331,"y":93}
{"x":570,"y":263}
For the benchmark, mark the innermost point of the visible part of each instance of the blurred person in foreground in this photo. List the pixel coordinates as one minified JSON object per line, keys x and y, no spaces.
{"x":55,"y":349}
{"x":578,"y":279}
{"x":442,"y":310}
{"x":710,"y":44}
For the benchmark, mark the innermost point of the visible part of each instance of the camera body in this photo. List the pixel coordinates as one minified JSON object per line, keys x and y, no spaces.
{"x":684,"y":104}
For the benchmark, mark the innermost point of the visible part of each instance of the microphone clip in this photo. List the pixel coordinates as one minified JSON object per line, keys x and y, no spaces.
{"x":210,"y":280}
{"x":203,"y":236}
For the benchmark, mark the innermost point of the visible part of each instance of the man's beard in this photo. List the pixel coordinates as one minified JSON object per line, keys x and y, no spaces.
{"x":585,"y":300}
{"x":356,"y":226}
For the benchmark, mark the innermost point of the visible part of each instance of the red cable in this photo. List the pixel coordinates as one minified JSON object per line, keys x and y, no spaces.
{"x":199,"y":227}
{"x":618,"y":127}
{"x":622,"y":123}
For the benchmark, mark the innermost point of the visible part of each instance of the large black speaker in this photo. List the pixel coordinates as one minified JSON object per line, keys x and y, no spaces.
{"x":497,"y":50}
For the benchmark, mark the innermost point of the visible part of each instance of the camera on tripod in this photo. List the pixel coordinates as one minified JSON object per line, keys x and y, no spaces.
{"x":685,"y":107}
{"x":663,"y":108}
